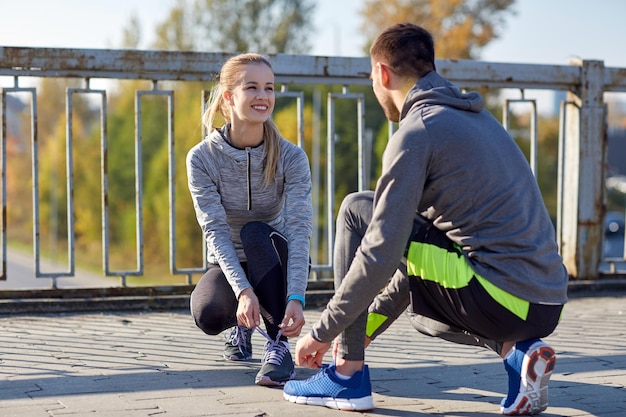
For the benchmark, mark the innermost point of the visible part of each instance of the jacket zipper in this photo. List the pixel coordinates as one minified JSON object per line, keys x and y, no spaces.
{"x":249,"y":179}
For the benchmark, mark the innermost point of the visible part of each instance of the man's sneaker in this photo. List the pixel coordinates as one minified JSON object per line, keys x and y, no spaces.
{"x":326,"y":389}
{"x":238,"y":346}
{"x":529,"y":366}
{"x":278,"y":366}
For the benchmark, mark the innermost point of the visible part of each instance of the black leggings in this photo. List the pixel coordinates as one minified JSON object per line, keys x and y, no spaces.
{"x":213,"y":302}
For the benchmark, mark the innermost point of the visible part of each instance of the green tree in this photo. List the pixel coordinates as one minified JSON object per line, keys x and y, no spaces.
{"x":178,"y":31}
{"x":132,"y":33}
{"x":265,"y":26}
{"x":461,"y":28}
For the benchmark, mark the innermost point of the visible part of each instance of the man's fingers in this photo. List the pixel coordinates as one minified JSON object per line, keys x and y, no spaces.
{"x":309,"y":361}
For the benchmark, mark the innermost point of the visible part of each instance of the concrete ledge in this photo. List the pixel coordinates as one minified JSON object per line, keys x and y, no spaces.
{"x":177,"y":297}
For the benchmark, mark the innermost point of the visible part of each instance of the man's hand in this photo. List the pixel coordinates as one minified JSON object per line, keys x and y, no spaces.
{"x":294,"y":319}
{"x":310,"y":352}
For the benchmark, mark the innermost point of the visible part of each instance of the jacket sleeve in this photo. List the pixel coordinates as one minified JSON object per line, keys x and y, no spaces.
{"x":212,"y":216}
{"x":298,"y":218}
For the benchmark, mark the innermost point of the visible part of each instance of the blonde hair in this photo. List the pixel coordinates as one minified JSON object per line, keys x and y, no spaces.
{"x":228,"y":78}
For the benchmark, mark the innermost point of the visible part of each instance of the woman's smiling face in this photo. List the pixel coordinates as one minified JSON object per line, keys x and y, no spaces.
{"x":252,"y":99}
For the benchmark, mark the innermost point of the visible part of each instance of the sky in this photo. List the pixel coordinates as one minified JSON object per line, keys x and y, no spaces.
{"x":542,"y":31}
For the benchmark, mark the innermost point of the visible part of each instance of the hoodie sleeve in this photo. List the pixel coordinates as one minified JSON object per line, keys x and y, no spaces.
{"x":298,"y":217}
{"x":212,"y":216}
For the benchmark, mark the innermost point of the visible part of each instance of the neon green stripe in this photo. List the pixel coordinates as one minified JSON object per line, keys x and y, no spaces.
{"x":433,"y":263}
{"x":450,"y":270}
{"x":374,"y":321}
{"x":507,"y":300}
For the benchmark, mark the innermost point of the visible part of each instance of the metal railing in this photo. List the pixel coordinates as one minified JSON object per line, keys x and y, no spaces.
{"x":581,"y":154}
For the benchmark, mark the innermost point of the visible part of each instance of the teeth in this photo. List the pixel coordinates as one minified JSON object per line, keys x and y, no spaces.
{"x":260,"y":107}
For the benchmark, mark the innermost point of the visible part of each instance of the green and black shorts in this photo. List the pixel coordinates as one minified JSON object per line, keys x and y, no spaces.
{"x":445,"y":288}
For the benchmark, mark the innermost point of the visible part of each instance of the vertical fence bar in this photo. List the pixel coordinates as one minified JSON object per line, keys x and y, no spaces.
{"x":315,"y":177}
{"x":138,"y":168}
{"x":35,"y":179}
{"x":330,"y":184}
{"x":584,"y":175}
{"x":299,"y":96}
{"x":561,"y":155}
{"x":533,"y":127}
{"x":330,"y":157}
{"x":3,"y":184}
{"x":171,"y":169}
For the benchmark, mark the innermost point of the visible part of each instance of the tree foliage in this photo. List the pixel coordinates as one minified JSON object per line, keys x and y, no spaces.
{"x":460,"y":27}
{"x":264,"y":26}
{"x":131,"y":37}
{"x":178,"y":31}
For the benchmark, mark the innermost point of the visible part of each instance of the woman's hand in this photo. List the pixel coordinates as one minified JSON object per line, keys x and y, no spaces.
{"x":248,"y":312}
{"x":294,"y":319}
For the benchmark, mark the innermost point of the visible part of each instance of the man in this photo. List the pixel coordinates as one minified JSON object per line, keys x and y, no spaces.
{"x":456,"y":231}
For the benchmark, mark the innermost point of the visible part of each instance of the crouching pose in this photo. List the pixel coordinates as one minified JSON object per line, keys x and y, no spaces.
{"x":456,"y":234}
{"x":251,"y":191}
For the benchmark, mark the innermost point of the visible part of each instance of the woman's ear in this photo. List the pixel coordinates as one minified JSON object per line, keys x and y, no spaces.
{"x":227,"y":97}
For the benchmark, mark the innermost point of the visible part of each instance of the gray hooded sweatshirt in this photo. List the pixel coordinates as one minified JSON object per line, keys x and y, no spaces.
{"x":452,"y":163}
{"x":227,"y":189}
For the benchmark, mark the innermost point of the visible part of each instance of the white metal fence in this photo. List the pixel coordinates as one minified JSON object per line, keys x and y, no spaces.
{"x":581,"y":154}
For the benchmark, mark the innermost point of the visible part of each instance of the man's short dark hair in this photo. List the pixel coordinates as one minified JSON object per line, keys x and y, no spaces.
{"x":407,"y":48}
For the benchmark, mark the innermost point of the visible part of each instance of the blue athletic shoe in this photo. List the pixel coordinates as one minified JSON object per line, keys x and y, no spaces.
{"x":529,"y":367}
{"x":326,"y":389}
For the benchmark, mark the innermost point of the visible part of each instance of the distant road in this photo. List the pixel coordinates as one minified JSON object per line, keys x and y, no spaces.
{"x":21,"y":274}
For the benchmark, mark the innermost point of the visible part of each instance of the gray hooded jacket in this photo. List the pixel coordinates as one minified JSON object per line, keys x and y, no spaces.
{"x":452,"y":163}
{"x":226,"y":185}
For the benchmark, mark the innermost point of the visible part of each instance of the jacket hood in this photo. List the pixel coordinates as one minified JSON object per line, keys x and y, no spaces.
{"x":433,"y":89}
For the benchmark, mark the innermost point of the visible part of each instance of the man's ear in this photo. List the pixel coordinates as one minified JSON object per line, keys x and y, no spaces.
{"x":385,"y":75}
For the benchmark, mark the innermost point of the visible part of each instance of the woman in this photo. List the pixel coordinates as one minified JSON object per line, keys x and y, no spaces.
{"x":251,"y":190}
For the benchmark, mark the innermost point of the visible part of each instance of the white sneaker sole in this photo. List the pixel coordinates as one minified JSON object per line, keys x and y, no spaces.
{"x":266,"y":381}
{"x":344,"y":404}
{"x":537,"y":368}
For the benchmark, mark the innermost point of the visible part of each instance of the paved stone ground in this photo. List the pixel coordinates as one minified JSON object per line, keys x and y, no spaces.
{"x":129,"y":364}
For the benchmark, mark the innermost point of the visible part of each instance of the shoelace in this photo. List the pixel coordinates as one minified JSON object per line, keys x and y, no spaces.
{"x":321,"y":373}
{"x":275,"y":350}
{"x":237,"y":337}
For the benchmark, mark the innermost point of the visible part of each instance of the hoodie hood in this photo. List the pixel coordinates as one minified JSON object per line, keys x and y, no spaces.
{"x":433,"y":89}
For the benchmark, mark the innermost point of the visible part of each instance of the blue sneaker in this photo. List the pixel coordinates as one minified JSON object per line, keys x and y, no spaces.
{"x":326,"y":389}
{"x":529,"y":367}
